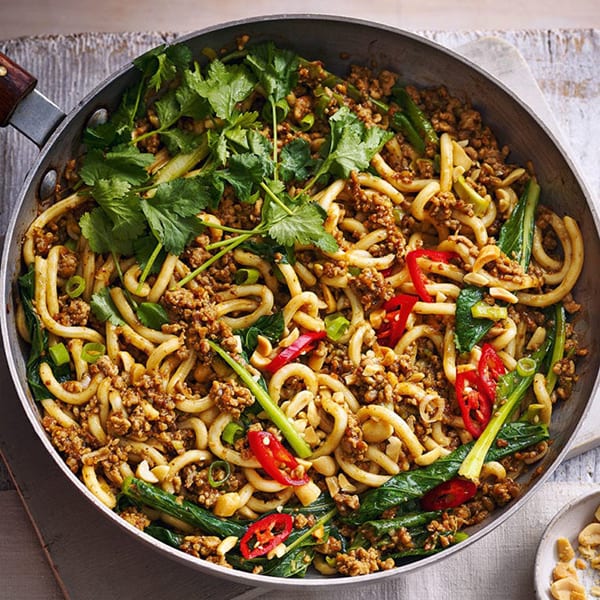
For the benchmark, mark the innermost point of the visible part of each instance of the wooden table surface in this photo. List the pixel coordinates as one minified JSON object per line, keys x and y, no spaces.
{"x":93,"y":558}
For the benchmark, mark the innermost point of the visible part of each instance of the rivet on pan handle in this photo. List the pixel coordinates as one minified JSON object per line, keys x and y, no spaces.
{"x":22,"y":106}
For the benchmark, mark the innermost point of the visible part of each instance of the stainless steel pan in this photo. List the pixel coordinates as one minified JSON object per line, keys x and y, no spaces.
{"x":338,"y":42}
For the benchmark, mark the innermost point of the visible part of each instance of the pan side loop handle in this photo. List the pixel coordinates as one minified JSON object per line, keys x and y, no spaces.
{"x":22,"y":106}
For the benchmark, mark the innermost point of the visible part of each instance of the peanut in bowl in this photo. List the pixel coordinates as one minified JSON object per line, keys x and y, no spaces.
{"x":566,"y":565}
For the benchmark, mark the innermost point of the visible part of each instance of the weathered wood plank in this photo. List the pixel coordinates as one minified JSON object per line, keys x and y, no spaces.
{"x":24,"y":570}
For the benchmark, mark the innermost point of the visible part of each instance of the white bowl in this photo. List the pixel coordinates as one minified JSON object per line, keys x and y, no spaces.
{"x":567,"y":523}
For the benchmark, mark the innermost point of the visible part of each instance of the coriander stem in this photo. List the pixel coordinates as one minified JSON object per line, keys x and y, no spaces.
{"x":274,"y":117}
{"x":148,"y":267}
{"x":275,"y":199}
{"x":236,"y":242}
{"x":212,"y":225}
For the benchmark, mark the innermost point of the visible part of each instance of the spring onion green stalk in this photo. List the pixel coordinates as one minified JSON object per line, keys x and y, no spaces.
{"x":273,"y":411}
{"x":221,"y":465}
{"x":336,"y":325}
{"x":307,"y":535}
{"x":511,"y":389}
{"x":246,"y":276}
{"x":559,"y":346}
{"x":420,"y":122}
{"x":483,"y":310}
{"x":400,"y":121}
{"x":233,"y":431}
{"x":468,"y":194}
{"x":92,"y":351}
{"x":181,"y":164}
{"x":526,"y":366}
{"x":75,"y":286}
{"x":59,"y":354}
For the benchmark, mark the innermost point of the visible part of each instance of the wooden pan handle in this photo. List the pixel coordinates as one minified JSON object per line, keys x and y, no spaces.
{"x":15,"y":84}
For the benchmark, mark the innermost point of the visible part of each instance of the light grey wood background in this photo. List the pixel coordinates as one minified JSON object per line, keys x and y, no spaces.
{"x":94,"y":559}
{"x":39,"y":17}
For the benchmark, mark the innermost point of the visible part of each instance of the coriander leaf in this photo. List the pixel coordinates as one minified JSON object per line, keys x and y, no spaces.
{"x":119,"y":127}
{"x":296,"y":163}
{"x":124,"y":162}
{"x":104,"y":308}
{"x":224,"y":87}
{"x":276,"y":69}
{"x":97,"y":228}
{"x":235,"y":136}
{"x":162,"y":63}
{"x":180,"y":141}
{"x":262,"y":147}
{"x":246,"y":171}
{"x":123,"y":208}
{"x":352,"y":144}
{"x":143,"y":247}
{"x":182,"y":101}
{"x":303,"y":224}
{"x":268,"y":250}
{"x":171,"y":213}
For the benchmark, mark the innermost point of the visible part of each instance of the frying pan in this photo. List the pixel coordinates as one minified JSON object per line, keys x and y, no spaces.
{"x":339,"y":42}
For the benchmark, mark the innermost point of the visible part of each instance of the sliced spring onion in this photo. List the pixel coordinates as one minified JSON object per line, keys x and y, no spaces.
{"x":92,"y":351}
{"x":59,"y":354}
{"x":483,"y":310}
{"x":233,"y":431}
{"x":307,"y":122}
{"x":526,"y":366}
{"x":71,"y":244}
{"x":75,"y":286}
{"x":336,"y":325}
{"x":221,"y":465}
{"x":246,"y":276}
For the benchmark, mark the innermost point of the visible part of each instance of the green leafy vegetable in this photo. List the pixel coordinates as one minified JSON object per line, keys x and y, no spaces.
{"x":296,"y":162}
{"x":276,"y":69}
{"x":39,"y":341}
{"x":122,"y":207}
{"x":154,"y":497}
{"x":104,"y":308}
{"x":161,"y":64}
{"x":509,"y":392}
{"x":410,"y":485}
{"x":299,"y":221}
{"x":98,"y":229}
{"x":516,"y":240}
{"x":171,"y":212}
{"x":152,"y":315}
{"x":269,"y":326}
{"x":516,"y":235}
